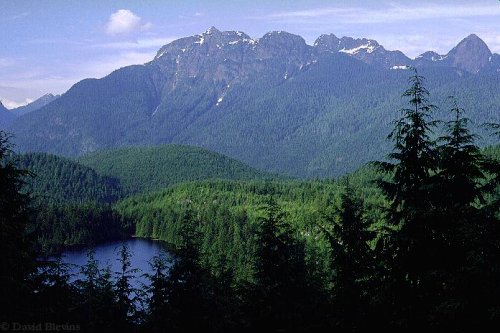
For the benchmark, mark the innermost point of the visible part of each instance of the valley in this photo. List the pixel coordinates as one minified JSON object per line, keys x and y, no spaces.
{"x":220,"y":182}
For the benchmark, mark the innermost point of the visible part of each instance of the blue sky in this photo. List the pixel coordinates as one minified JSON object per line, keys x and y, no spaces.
{"x":48,"y":45}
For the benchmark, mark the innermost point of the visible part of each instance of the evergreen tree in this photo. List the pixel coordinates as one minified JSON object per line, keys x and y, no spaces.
{"x":126,"y":295}
{"x":17,"y":258}
{"x":464,"y":226}
{"x":56,"y":297}
{"x":409,"y":250}
{"x":97,"y":307}
{"x":460,"y":162}
{"x":280,"y":293}
{"x":352,"y":260}
{"x":188,"y":280}
{"x":158,"y":311}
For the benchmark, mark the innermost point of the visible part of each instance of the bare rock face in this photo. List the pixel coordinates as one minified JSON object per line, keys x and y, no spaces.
{"x":366,"y":50}
{"x":471,"y":55}
{"x":231,"y":56}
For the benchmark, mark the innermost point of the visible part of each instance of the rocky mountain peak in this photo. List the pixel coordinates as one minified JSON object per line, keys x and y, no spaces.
{"x":352,"y":46}
{"x":212,"y":31}
{"x":471,"y":54}
{"x":327,"y":43}
{"x":431,"y":56}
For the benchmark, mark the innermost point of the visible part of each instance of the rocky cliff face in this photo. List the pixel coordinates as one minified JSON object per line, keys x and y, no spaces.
{"x":471,"y":55}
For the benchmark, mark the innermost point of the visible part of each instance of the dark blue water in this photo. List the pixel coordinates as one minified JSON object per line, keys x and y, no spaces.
{"x":107,"y":255}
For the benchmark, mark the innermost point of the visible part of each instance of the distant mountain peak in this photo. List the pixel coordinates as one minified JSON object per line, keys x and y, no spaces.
{"x":36,"y":104}
{"x":211,"y":30}
{"x":471,"y":54}
{"x":473,"y":37}
{"x":354,"y":46}
{"x":431,"y":56}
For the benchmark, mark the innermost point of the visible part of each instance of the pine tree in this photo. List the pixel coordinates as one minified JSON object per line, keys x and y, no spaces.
{"x":460,"y":161}
{"x":280,"y":293}
{"x":409,"y":250}
{"x":414,"y":153}
{"x":17,"y":258}
{"x":158,"y":293}
{"x":352,"y":259}
{"x":55,"y":296}
{"x":126,"y":295}
{"x":464,"y":225}
{"x":97,"y":307}
{"x":188,"y":280}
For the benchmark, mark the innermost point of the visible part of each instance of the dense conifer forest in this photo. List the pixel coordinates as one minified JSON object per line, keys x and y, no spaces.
{"x":410,"y":242}
{"x":142,"y":169}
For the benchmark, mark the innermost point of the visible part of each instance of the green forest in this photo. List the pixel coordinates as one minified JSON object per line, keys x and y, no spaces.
{"x":409,"y":242}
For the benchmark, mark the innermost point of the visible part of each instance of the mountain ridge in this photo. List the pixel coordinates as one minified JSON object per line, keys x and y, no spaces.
{"x":274,"y":103}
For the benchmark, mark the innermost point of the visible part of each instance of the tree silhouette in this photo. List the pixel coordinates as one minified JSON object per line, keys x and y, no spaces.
{"x":348,"y":235}
{"x":17,"y":258}
{"x":410,"y":249}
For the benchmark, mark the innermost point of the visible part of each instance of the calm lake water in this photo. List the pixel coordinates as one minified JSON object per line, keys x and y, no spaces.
{"x":107,"y":254}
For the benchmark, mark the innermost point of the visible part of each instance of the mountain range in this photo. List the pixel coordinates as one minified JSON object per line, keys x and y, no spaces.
{"x":8,"y":116}
{"x":275,"y":102}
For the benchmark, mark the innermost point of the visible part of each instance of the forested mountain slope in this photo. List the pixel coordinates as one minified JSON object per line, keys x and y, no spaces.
{"x":57,"y":180}
{"x":142,"y":169}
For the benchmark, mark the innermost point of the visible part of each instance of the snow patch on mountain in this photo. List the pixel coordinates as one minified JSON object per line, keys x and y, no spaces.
{"x":368,"y":47}
{"x":400,"y":67}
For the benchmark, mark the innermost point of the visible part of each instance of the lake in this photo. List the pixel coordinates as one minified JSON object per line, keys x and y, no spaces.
{"x":107,"y":254}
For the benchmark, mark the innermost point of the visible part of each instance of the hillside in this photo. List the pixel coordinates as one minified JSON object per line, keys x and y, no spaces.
{"x":142,"y":169}
{"x":58,"y":180}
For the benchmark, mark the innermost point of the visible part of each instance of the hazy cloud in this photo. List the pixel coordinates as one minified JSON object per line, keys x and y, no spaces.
{"x":124,"y":21}
{"x":392,"y":13}
{"x":146,"y":43}
{"x":14,"y":17}
{"x":104,"y":66}
{"x":4,"y":62}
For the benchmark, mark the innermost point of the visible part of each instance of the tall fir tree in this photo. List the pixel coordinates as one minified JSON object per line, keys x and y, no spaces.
{"x":17,"y":258}
{"x":126,"y":295}
{"x":409,"y":250}
{"x":352,"y":260}
{"x":188,"y":280}
{"x":158,"y":312}
{"x":280,"y":299}
{"x":97,"y":299}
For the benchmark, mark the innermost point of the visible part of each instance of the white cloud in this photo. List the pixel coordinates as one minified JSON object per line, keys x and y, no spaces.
{"x":10,"y":104}
{"x":124,"y":21}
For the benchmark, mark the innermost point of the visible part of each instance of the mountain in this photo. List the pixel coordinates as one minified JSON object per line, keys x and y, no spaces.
{"x":141,"y":169}
{"x":274,"y":103}
{"x":366,"y":50}
{"x":35,"y":105}
{"x":471,"y":55}
{"x":6,"y":117}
